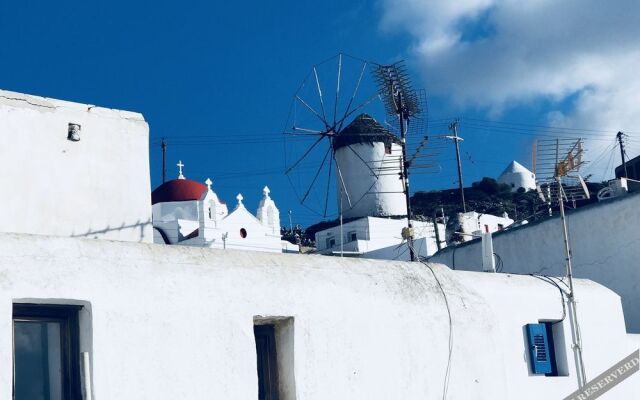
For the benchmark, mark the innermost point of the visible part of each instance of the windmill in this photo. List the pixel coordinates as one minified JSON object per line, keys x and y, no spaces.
{"x":331,"y":134}
{"x":557,"y":166}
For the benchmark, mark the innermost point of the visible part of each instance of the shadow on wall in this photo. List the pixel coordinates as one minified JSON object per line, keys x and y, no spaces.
{"x":124,"y":226}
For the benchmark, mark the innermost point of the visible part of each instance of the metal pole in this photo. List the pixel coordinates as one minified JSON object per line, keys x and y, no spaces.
{"x":435,"y":226}
{"x":163,"y":145}
{"x":86,"y":375}
{"x":624,"y":162}
{"x":573,"y":316}
{"x":341,"y":228}
{"x":405,"y":173}
{"x":454,"y":128}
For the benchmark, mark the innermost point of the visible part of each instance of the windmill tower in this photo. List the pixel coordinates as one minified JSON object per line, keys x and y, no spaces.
{"x":328,"y":128}
{"x":370,"y":160}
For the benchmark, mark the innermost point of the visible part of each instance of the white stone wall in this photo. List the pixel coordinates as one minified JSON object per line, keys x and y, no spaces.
{"x":97,"y":187}
{"x":381,"y":238}
{"x":605,"y":243}
{"x":175,"y":322}
{"x":373,"y":191}
{"x":473,"y":223}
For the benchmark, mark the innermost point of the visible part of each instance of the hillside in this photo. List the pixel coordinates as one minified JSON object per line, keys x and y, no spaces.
{"x":485,"y":196}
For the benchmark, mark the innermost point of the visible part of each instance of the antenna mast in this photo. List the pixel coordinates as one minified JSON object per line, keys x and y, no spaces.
{"x":567,"y":157}
{"x":624,"y":163}
{"x":402,"y":101}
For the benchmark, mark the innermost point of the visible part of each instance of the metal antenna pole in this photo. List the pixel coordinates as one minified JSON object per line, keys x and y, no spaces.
{"x":163,"y":146}
{"x":453,"y":127}
{"x":405,"y":173}
{"x":577,"y":340}
{"x":624,"y":162}
{"x":341,"y":228}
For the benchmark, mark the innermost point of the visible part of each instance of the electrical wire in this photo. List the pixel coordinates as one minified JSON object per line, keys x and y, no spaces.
{"x":447,"y":374}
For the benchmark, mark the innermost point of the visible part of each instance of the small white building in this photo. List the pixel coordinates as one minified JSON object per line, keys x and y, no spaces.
{"x":472,"y":224}
{"x":379,"y":238}
{"x":517,"y":176}
{"x":188,"y":213}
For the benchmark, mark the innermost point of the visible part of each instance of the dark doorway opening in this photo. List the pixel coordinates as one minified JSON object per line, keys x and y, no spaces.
{"x":267,"y":362}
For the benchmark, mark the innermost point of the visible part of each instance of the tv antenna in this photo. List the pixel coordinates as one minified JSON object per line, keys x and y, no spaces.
{"x":558,"y":162}
{"x":403,"y":104}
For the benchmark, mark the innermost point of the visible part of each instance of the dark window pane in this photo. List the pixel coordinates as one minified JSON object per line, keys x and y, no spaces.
{"x":38,"y":360}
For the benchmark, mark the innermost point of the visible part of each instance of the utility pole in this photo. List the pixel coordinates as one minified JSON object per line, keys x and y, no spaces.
{"x":453,"y":127}
{"x":624,"y":163}
{"x":435,"y":227}
{"x":163,"y":146}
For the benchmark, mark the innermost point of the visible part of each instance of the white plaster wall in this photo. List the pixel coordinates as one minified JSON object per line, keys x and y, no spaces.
{"x":98,"y":187}
{"x":371,"y":195}
{"x":174,"y":322}
{"x":605,"y":243}
{"x":381,"y":238}
{"x":172,"y":210}
{"x":518,"y":180}
{"x":474,"y":223}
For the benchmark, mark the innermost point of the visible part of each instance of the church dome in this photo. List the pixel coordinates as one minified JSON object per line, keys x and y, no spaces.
{"x":178,"y":190}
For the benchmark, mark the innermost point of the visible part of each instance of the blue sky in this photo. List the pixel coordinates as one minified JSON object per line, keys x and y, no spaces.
{"x":228,"y":71}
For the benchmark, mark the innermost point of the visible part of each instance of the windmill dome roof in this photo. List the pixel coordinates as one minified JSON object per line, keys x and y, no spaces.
{"x":515,"y":167}
{"x":363,"y":129}
{"x":178,"y":190}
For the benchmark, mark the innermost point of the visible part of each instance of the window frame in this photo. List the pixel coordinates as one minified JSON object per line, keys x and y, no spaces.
{"x":67,"y":316}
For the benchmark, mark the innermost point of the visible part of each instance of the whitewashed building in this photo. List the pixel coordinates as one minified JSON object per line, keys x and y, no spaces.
{"x":472,"y":224}
{"x":85,"y":318}
{"x":188,"y":213}
{"x":517,"y":176}
{"x":379,"y":238}
{"x":54,"y":184}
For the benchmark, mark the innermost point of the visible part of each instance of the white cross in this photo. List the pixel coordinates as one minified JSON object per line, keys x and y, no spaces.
{"x":180,"y":165}
{"x":266,"y":191}
{"x":240,"y":198}
{"x":208,"y":182}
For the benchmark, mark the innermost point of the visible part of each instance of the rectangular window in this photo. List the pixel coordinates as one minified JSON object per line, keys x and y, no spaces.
{"x":500,"y":227}
{"x":331,"y":242}
{"x":353,"y":236}
{"x":546,"y":348}
{"x":45,"y":352}
{"x":267,"y":362}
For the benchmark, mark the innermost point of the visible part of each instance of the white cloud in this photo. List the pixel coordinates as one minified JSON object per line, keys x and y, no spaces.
{"x":530,"y":50}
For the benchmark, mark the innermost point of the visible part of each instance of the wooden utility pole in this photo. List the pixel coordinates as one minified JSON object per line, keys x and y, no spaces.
{"x":453,"y":127}
{"x":163,"y":146}
{"x":624,"y":162}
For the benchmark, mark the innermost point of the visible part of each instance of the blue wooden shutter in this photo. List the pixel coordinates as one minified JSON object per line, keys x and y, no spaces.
{"x":539,"y":348}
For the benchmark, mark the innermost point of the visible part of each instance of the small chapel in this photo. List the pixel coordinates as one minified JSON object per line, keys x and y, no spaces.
{"x":189,"y":213}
